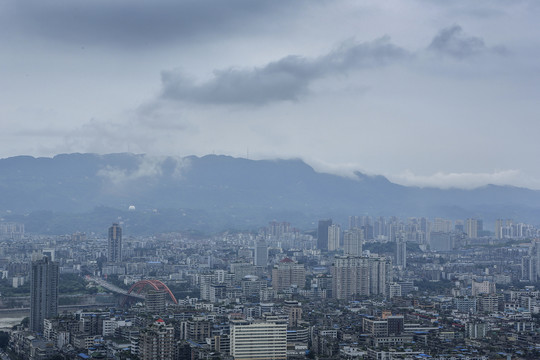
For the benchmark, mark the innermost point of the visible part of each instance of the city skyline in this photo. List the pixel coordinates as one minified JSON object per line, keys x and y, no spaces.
{"x":418,"y":281}
{"x":425,"y":93}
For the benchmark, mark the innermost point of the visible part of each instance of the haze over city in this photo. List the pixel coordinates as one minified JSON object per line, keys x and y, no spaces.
{"x":427,"y":93}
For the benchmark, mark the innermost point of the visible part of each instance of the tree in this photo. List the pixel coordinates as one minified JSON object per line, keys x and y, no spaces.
{"x":25,"y":322}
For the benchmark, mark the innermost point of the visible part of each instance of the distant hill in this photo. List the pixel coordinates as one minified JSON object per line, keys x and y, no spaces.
{"x":87,"y":191}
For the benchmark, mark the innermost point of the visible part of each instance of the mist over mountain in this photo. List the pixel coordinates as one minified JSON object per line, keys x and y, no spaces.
{"x":85,"y":192}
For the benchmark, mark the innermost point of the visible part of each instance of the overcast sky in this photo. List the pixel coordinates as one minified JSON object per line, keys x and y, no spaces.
{"x":431,"y":93}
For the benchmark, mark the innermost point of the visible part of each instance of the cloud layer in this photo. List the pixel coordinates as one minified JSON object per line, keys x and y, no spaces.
{"x":139,"y":23}
{"x":148,"y":167}
{"x":454,"y":42}
{"x":458,"y":180}
{"x":287,"y":79}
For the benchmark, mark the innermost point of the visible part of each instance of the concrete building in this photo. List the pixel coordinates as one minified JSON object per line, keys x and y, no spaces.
{"x":156,"y":342}
{"x":484,"y":287}
{"x":528,"y":269}
{"x":471,"y":228}
{"x":114,"y":244}
{"x":359,"y":275}
{"x":334,"y":237}
{"x":476,"y":330}
{"x":322,"y":234}
{"x":293,"y":309}
{"x":43,"y":292}
{"x":261,"y":254}
{"x":465,"y":304}
{"x":352,"y":242}
{"x":401,"y":251}
{"x":259,"y":340}
{"x":288,"y":273}
{"x":155,"y":301}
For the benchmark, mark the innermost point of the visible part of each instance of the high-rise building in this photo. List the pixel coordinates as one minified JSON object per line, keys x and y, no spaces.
{"x":288,"y":273}
{"x":261,"y":254}
{"x":360,"y":275}
{"x":503,"y":229}
{"x":354,"y":222}
{"x":379,"y":227}
{"x":334,"y":234}
{"x":156,"y":342}
{"x":294,"y":309}
{"x":471,"y":228}
{"x":259,"y":340}
{"x":528,"y":268}
{"x":352,"y":242}
{"x":43,"y":292}
{"x":114,"y":249}
{"x":322,"y":234}
{"x":401,"y":251}
{"x":155,"y":301}
{"x":441,"y":225}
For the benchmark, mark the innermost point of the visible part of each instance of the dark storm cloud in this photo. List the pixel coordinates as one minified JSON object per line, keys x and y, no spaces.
{"x":284,"y":80}
{"x":138,"y":22}
{"x":454,"y":42}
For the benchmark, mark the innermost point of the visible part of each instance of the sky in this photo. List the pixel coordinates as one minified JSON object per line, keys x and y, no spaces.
{"x":425,"y":92}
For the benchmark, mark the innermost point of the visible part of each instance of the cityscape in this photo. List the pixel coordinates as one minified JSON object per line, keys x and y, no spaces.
{"x":269,"y":180}
{"x":375,"y":288}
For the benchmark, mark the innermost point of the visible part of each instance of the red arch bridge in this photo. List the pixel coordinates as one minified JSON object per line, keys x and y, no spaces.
{"x":136,"y":290}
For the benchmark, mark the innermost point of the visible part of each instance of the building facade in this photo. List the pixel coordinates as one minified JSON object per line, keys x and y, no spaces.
{"x":259,"y":340}
{"x":261,"y":254}
{"x":322,"y":234}
{"x":114,"y":245}
{"x":43,"y":292}
{"x":288,"y":273}
{"x":360,"y":275}
{"x":156,"y":342}
{"x":352,"y":242}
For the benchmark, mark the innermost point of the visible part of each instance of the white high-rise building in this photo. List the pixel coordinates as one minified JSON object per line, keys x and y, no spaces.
{"x":499,"y":224}
{"x":259,"y":340}
{"x":401,"y":251}
{"x":334,"y":234}
{"x":360,"y":275}
{"x":261,"y":254}
{"x":471,"y":228}
{"x":352,"y":242}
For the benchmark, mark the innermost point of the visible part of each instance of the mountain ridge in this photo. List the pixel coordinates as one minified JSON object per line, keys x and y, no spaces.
{"x":240,"y":192}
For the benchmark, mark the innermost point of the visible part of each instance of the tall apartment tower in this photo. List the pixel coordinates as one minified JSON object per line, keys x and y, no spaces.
{"x":114,"y":249}
{"x":528,"y":269}
{"x":360,"y":275}
{"x":322,"y":234}
{"x":155,"y":301}
{"x":499,"y":225}
{"x":156,"y":342}
{"x":261,"y":254}
{"x":352,"y":242}
{"x":471,"y":228}
{"x":334,"y":237}
{"x":288,"y":273}
{"x":43,"y":292}
{"x":401,"y":251}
